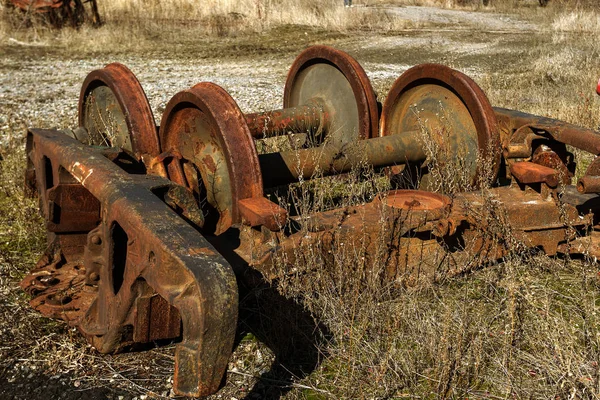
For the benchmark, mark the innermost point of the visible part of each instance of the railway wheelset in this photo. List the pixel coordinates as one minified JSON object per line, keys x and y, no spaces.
{"x":145,"y":223}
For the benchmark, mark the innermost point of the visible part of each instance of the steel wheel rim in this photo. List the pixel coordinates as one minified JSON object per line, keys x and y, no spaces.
{"x":115,"y":111}
{"x":465,"y":99}
{"x":343,"y":84}
{"x":206,"y":126}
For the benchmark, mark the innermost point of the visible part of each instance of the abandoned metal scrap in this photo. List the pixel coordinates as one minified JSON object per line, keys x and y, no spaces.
{"x":148,"y":226}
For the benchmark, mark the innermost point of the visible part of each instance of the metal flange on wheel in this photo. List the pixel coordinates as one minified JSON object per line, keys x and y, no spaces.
{"x":213,"y":152}
{"x":115,"y":112}
{"x":452,"y":116}
{"x":341,"y":84}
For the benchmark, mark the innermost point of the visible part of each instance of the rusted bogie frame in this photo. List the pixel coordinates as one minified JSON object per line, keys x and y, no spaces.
{"x":521,"y":130}
{"x":141,"y":261}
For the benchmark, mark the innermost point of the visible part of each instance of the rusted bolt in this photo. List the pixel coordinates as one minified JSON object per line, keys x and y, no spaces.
{"x":96,"y":239}
{"x":94,"y":277}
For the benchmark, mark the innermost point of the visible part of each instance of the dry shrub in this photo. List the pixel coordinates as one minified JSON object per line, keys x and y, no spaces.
{"x":523,"y":328}
{"x":580,"y":21}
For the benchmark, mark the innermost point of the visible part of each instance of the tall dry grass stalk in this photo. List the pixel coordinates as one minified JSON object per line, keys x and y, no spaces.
{"x":519,"y":329}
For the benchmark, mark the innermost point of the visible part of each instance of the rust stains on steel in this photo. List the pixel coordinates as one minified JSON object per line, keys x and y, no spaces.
{"x":141,"y":273}
{"x":205,"y":125}
{"x":312,"y":117}
{"x":131,"y":218}
{"x":113,"y":96}
{"x":332,"y":76}
{"x":528,"y":172}
{"x":582,"y":138}
{"x":420,"y":99}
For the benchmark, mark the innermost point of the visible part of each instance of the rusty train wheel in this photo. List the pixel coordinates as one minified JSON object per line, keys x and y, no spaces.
{"x":450,"y":109}
{"x":115,"y":111}
{"x":336,"y":78}
{"x":213,"y":152}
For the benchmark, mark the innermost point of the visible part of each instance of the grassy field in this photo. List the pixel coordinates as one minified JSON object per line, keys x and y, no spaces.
{"x":526,"y":328}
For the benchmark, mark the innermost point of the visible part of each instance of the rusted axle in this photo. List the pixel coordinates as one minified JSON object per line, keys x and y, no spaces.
{"x":312,"y":117}
{"x":289,"y":166}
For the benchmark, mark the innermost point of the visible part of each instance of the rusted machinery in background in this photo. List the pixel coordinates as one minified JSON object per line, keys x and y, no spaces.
{"x":61,"y":12}
{"x":148,"y":226}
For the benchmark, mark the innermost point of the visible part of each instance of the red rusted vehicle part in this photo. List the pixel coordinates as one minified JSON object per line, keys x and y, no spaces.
{"x":132,"y":270}
{"x":527,"y":172}
{"x":590,"y":182}
{"x":416,"y":200}
{"x":414,"y":236}
{"x":114,"y":110}
{"x":526,"y":135}
{"x":338,"y":80}
{"x":312,"y":117}
{"x":449,"y":108}
{"x":216,"y":157}
{"x":58,"y":11}
{"x":537,"y":127}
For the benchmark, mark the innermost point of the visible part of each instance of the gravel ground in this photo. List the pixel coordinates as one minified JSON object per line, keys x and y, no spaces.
{"x":44,"y":91}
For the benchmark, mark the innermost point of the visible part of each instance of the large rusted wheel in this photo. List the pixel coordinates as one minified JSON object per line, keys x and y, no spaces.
{"x":212,"y":152}
{"x":453,"y":115}
{"x":342,"y":84}
{"x":114,"y":110}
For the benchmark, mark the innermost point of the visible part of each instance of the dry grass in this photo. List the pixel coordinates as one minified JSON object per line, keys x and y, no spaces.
{"x":135,"y":25}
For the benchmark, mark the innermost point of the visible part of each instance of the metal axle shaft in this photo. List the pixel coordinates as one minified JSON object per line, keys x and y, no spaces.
{"x":289,"y":166}
{"x":311,"y":117}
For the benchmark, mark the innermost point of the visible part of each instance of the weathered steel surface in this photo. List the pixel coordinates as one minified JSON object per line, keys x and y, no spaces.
{"x":449,"y":108}
{"x":218,"y":159}
{"x":582,"y":138}
{"x":414,"y":236}
{"x":259,"y":211}
{"x":312,"y":117}
{"x":528,"y":172}
{"x":140,"y":274}
{"x":114,"y":110}
{"x":289,"y":166}
{"x":337,"y":79}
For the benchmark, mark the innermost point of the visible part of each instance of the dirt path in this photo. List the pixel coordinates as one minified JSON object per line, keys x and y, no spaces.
{"x":460,"y":19}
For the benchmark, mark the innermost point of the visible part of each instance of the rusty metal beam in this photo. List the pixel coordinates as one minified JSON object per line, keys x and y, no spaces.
{"x":140,"y":254}
{"x":582,"y":138}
